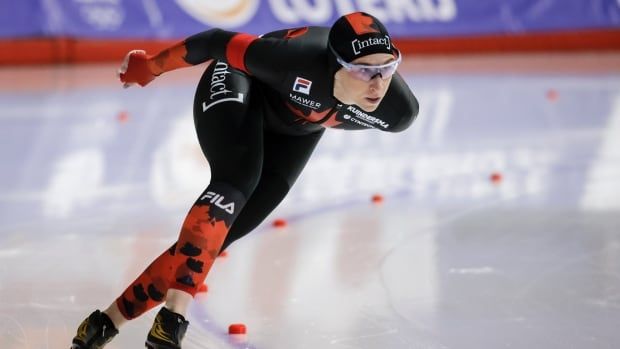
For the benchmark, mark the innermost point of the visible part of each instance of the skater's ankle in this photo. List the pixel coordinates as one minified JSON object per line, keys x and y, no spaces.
{"x":177,"y":301}
{"x":115,"y":315}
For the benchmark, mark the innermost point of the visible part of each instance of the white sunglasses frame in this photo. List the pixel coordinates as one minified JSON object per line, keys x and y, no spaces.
{"x":350,"y":66}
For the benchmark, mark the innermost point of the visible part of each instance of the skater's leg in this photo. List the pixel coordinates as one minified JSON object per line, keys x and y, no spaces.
{"x":99,"y":327}
{"x":147,"y":291}
{"x":229,"y":125}
{"x":285,"y":158}
{"x":230,"y":135}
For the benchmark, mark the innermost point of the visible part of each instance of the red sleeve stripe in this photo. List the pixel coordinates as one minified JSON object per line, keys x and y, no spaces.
{"x":235,"y":51}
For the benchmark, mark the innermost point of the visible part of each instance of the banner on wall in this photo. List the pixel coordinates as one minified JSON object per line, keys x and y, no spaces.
{"x":166,"y":19}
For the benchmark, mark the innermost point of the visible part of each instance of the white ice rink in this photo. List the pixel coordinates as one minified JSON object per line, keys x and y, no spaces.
{"x":95,"y":181}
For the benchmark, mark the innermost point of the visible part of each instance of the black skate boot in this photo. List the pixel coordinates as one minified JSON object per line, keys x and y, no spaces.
{"x":94,"y":332}
{"x":167,"y":331}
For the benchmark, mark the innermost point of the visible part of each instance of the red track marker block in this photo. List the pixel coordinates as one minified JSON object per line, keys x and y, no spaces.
{"x":280,"y":223}
{"x":122,"y":117}
{"x":237,"y":329}
{"x":496,"y":178}
{"x":552,"y":95}
{"x":377,"y":199}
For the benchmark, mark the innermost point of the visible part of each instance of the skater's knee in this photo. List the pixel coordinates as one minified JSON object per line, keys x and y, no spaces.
{"x":241,"y":180}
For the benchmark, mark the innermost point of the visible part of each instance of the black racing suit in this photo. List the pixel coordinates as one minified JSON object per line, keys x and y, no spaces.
{"x":293,"y":72}
{"x":260,"y":108}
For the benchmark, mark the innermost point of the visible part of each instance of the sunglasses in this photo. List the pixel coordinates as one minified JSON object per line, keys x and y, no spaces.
{"x":368,"y":72}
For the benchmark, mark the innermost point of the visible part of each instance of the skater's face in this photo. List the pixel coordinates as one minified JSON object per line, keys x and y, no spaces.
{"x":349,"y":88}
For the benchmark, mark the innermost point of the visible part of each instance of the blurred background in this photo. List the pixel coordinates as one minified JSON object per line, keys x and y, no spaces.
{"x":492,"y":222}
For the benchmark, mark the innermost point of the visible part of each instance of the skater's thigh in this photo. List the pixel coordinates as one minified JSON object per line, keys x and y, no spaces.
{"x":285,"y":158}
{"x":287,"y":155}
{"x":229,"y":125}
